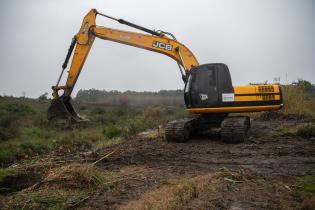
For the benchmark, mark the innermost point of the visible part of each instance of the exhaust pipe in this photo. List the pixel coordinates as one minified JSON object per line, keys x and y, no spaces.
{"x":61,"y":111}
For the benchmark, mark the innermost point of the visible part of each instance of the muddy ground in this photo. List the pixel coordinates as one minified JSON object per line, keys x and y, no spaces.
{"x":270,"y":158}
{"x":205,"y":173}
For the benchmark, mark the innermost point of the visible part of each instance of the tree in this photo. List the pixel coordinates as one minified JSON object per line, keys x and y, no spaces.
{"x":43,"y":97}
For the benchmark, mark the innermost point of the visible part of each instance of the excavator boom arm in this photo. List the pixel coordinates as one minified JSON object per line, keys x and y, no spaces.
{"x":88,"y":31}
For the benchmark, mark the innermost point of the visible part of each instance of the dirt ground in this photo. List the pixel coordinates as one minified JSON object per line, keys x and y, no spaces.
{"x":205,"y":173}
{"x":269,"y":162}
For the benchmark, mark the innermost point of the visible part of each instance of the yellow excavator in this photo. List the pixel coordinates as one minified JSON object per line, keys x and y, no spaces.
{"x":208,"y":91}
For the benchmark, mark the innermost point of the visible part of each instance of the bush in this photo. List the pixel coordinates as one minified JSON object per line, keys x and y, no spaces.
{"x":112,"y":131}
{"x":98,"y":110}
{"x":306,"y":131}
{"x":3,"y":135}
{"x":29,"y":148}
{"x":133,"y":127}
{"x":8,"y":133}
{"x":6,"y":156}
{"x":18,"y":109}
{"x":7,"y":128}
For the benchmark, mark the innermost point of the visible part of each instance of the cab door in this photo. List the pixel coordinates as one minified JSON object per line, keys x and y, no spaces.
{"x":204,"y":90}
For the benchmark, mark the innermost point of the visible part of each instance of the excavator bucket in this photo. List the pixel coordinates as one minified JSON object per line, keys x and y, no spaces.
{"x":62,"y":112}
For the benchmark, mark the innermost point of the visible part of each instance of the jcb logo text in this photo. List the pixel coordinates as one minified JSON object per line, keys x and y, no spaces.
{"x":162,"y":45}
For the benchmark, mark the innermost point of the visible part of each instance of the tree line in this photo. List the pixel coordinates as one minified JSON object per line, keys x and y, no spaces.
{"x":132,"y":98}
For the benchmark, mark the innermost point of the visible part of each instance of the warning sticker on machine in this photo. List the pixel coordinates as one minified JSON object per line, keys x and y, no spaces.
{"x":203,"y":97}
{"x":227,"y":97}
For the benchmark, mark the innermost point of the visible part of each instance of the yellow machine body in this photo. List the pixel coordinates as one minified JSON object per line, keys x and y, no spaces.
{"x":256,"y":98}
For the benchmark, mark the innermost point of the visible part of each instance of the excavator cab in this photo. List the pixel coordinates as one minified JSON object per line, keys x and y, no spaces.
{"x":207,"y":85}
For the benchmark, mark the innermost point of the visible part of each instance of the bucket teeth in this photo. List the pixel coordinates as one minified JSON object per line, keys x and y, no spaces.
{"x":61,"y":112}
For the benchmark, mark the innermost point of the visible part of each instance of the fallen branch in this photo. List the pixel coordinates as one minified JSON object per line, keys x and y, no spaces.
{"x":99,"y":160}
{"x":231,"y":180}
{"x":80,"y":201}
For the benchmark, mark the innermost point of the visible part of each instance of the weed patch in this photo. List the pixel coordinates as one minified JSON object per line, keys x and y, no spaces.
{"x":306,"y":192}
{"x":308,"y":184}
{"x":18,"y":109}
{"x":112,"y":131}
{"x":306,"y":131}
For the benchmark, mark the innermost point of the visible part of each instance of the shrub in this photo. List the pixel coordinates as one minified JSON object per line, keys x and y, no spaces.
{"x":7,"y":120}
{"x":119,"y":111}
{"x":6,"y":156}
{"x":7,"y":128}
{"x":29,"y":148}
{"x":153,"y":116}
{"x":98,"y":110}
{"x":3,"y":135}
{"x":43,"y":97}
{"x":112,"y":131}
{"x":133,"y":127}
{"x":19,"y":109}
{"x":306,"y":131}
{"x":8,"y":133}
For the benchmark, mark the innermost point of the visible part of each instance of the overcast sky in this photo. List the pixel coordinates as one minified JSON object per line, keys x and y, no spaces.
{"x":258,"y":39}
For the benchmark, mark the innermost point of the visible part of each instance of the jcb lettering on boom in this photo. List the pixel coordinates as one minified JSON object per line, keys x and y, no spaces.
{"x":162,"y":45}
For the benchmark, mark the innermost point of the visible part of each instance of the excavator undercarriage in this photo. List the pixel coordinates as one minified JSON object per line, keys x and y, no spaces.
{"x":232,"y":129}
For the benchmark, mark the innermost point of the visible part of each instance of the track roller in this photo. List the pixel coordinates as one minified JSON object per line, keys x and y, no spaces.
{"x":234,"y":129}
{"x":179,"y":130}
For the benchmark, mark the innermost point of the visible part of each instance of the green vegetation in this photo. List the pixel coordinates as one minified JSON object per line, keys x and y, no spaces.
{"x":64,"y":187}
{"x":4,"y":172}
{"x":25,"y":132}
{"x":306,"y":192}
{"x":146,"y":98}
{"x":299,"y":98}
{"x":308,"y":184}
{"x":26,"y":135}
{"x":306,"y":131}
{"x":112,"y":131}
{"x":39,"y":201}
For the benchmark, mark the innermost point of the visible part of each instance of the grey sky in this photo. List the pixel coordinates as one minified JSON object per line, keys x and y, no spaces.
{"x":257,"y":39}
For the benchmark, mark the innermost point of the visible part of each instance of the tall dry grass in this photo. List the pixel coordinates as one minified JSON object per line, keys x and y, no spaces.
{"x":297,"y":101}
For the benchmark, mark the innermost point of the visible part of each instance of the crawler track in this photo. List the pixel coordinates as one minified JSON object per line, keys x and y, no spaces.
{"x":179,"y":130}
{"x":234,"y":129}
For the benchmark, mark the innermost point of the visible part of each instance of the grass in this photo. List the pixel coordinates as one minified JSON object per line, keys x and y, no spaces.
{"x":25,"y":132}
{"x":306,"y":131}
{"x":308,"y":184}
{"x":4,"y":172}
{"x":174,"y":194}
{"x":78,"y":176}
{"x":112,"y":131}
{"x":306,"y":192}
{"x":170,"y":196}
{"x":63,"y":187}
{"x":31,"y":200}
{"x":297,"y":101}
